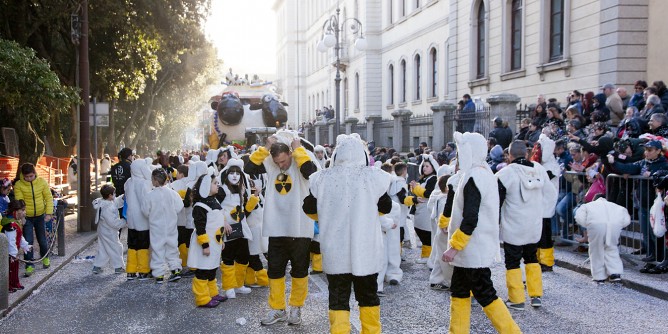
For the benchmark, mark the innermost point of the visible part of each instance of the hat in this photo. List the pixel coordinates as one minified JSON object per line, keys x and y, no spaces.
{"x":654,"y":143}
{"x":608,"y":85}
{"x":498,"y":120}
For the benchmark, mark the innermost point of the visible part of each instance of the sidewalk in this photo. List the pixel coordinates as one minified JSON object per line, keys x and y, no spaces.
{"x":75,"y":242}
{"x":653,"y":285}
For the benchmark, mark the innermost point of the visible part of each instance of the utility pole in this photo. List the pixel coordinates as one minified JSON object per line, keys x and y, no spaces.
{"x":85,"y":217}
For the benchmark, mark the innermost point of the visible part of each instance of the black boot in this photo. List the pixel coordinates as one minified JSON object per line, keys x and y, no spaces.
{"x":647,"y":268}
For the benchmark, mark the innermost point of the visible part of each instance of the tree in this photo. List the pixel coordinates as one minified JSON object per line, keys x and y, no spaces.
{"x":30,"y":95}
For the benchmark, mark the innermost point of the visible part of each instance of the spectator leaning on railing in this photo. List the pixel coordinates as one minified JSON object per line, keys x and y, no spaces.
{"x":654,"y":161}
{"x":39,"y":207}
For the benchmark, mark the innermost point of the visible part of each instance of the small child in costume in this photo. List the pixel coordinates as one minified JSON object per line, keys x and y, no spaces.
{"x":109,"y":247}
{"x":162,"y":205}
{"x":206,"y":244}
{"x":11,"y":227}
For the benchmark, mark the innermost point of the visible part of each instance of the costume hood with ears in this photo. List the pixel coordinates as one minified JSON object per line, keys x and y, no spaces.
{"x":230,"y":149}
{"x":205,"y":186}
{"x":471,"y":150}
{"x":350,"y":152}
{"x":445,"y":170}
{"x":287,"y":136}
{"x":432,"y":161}
{"x":140,"y":169}
{"x":320,"y":148}
{"x":195,"y":170}
{"x":212,"y":156}
{"x":194,"y":158}
{"x":547,"y":146}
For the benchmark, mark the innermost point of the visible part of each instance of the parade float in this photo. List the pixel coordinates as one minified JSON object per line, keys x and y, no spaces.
{"x":244,"y":113}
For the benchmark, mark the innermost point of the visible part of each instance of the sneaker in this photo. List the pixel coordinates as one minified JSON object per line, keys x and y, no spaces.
{"x":394,"y":282}
{"x":97,"y":270}
{"x":145,"y":277}
{"x":46,"y":263}
{"x":545,"y":268}
{"x":175,"y":276}
{"x":230,"y":294}
{"x":119,"y":270}
{"x":244,"y":290}
{"x":159,"y":280}
{"x":29,"y":271}
{"x":219,"y":298}
{"x":518,"y":306}
{"x":131,"y":277}
{"x":422,"y":260}
{"x":536,"y":302}
{"x":439,"y":287}
{"x":273,"y":317}
{"x":295,"y":316}
{"x":615,"y":278}
{"x":599,"y":281}
{"x":211,"y":304}
{"x":381,"y":293}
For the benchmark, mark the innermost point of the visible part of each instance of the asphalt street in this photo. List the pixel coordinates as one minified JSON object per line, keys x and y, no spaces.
{"x":76,"y":301}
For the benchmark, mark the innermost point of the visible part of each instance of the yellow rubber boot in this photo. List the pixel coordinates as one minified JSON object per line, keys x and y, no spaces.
{"x":131,"y":266}
{"x":277,"y":293}
{"x":250,"y":277}
{"x":316,"y":262}
{"x":240,"y":272}
{"x":547,"y":256}
{"x":299,"y":291}
{"x":201,"y":291}
{"x":339,"y":322}
{"x":426,"y":251}
{"x":500,"y":317}
{"x":261,"y":277}
{"x":515,"y":286}
{"x":229,"y":277}
{"x":460,"y":315}
{"x":183,"y":255}
{"x":370,"y":319}
{"x":534,"y":280}
{"x":213,"y":287}
{"x":143,"y":261}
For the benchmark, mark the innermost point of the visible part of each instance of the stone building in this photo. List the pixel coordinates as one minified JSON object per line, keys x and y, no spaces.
{"x":423,"y":53}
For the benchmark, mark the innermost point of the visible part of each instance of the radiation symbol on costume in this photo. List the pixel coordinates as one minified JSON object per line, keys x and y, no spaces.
{"x":283,"y":183}
{"x":235,"y":213}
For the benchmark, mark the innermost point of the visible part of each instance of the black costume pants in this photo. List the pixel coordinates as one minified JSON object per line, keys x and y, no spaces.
{"x":235,"y":251}
{"x":476,"y":280}
{"x":255,"y":263}
{"x":206,"y":274}
{"x":546,"y":236}
{"x":513,"y":254}
{"x":184,"y":235}
{"x":315,"y":247}
{"x":284,"y":249}
{"x":138,"y":239}
{"x":425,"y":236}
{"x":365,"y":287}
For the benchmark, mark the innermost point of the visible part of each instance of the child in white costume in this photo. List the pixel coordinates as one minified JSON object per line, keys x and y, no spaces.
{"x":206,"y":243}
{"x":604,"y":221}
{"x":441,"y":275}
{"x":180,"y":185}
{"x":136,"y":188}
{"x":109,"y":247}
{"x":422,"y":218}
{"x":256,"y":275}
{"x":162,"y":205}
{"x":392,"y":258}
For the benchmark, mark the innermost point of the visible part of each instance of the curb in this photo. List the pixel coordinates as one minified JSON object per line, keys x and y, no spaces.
{"x":629,"y":284}
{"x":29,"y":291}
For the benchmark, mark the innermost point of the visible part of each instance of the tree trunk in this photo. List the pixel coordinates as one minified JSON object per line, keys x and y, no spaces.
{"x":55,"y":137}
{"x":72,"y":140}
{"x":111,"y":138}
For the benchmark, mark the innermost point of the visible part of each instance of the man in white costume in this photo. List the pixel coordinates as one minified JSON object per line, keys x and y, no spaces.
{"x":474,"y":239}
{"x":136,"y":188}
{"x":604,"y":221}
{"x":288,"y":166}
{"x":524,"y":190}
{"x":547,"y":159}
{"x":347,"y":199}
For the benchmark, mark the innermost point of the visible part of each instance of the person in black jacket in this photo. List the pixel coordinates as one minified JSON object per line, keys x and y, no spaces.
{"x":120,"y":172}
{"x":502,"y":134}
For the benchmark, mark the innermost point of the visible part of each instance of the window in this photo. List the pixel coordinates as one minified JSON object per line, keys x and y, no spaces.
{"x":416,"y":65}
{"x":556,"y":30}
{"x":357,"y":91}
{"x":433,"y":69}
{"x":480,"y":41}
{"x":403,"y":81}
{"x":390,"y":75}
{"x":516,"y":36}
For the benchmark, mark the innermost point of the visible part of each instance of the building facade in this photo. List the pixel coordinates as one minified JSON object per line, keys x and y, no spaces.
{"x":424,"y":52}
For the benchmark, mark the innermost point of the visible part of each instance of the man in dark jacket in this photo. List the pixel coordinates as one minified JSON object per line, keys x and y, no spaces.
{"x":120,"y":172}
{"x":503,"y":135}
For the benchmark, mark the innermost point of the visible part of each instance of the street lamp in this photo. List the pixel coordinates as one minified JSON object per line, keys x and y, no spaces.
{"x":331,"y":38}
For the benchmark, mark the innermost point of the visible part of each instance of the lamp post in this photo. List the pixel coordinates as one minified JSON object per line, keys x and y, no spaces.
{"x":331,"y":38}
